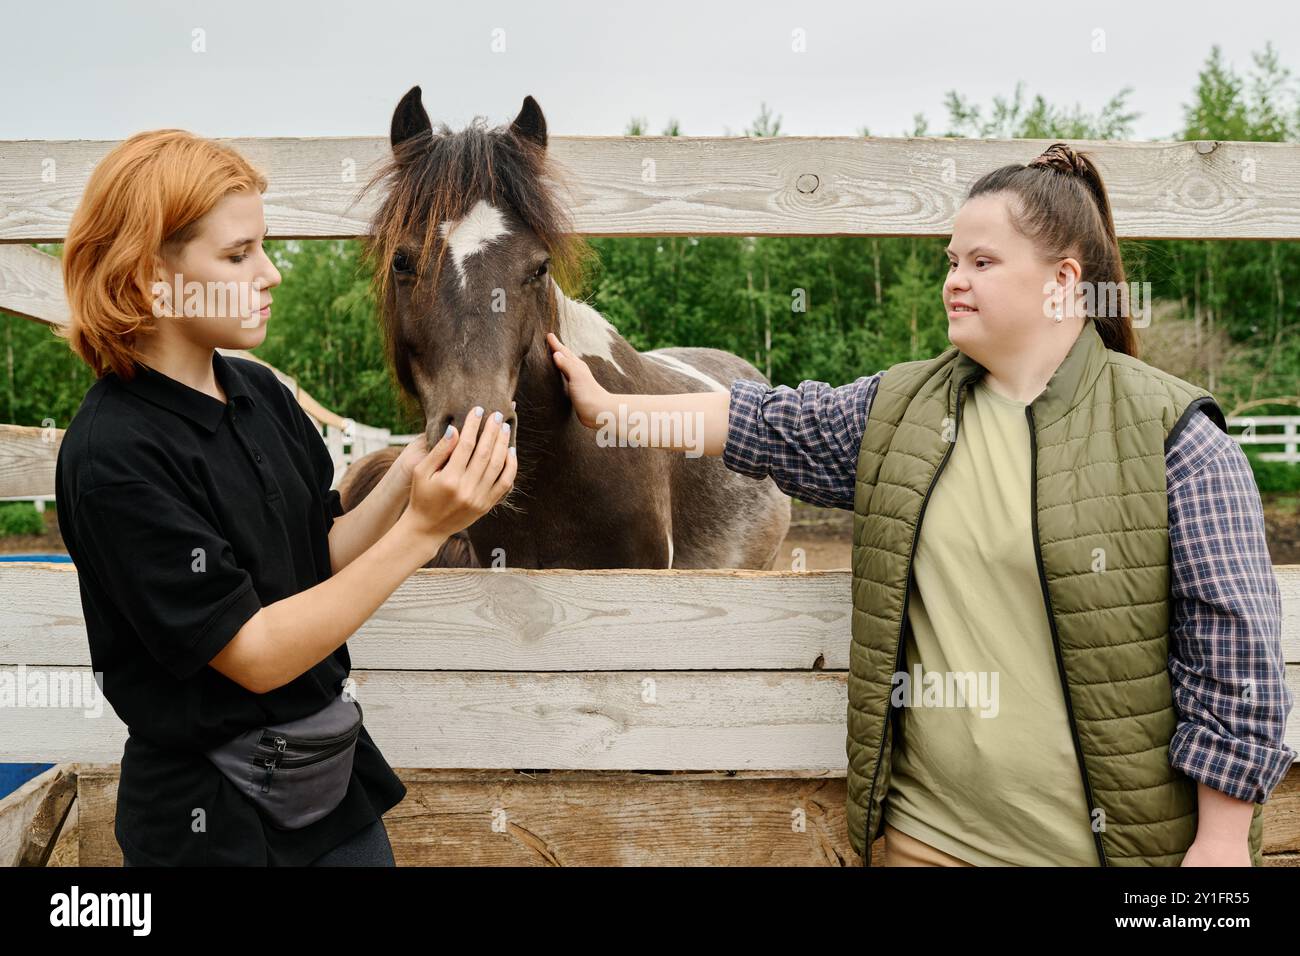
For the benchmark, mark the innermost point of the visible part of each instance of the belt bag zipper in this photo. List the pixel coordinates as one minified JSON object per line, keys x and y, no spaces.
{"x":331,"y":746}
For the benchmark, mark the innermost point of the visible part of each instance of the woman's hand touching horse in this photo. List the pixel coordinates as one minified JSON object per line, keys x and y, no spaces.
{"x":462,"y":478}
{"x":596,"y":408}
{"x":588,"y":396}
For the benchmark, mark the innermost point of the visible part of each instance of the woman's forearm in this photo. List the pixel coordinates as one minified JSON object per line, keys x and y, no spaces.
{"x":361,"y":527}
{"x":292,"y":635}
{"x":1221,"y":819}
{"x":695,"y":422}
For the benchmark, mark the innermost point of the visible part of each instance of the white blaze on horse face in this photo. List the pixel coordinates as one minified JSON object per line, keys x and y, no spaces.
{"x":472,"y":233}
{"x":677,"y":365}
{"x":585,"y":330}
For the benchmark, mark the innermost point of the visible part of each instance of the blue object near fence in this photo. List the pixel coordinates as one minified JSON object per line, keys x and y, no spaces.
{"x":14,"y":775}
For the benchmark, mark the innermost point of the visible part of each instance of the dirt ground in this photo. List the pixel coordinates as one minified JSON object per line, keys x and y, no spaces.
{"x":49,"y":543}
{"x":1282,"y":527}
{"x":820,"y":538}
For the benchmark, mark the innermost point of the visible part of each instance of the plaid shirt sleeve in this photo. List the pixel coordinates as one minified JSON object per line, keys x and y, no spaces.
{"x":806,"y":439}
{"x":1225,"y":660}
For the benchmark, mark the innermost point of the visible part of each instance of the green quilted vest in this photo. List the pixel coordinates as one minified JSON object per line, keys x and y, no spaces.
{"x":1098,"y":436}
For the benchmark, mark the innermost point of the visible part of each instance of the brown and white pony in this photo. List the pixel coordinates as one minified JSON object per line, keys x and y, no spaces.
{"x":467,"y":245}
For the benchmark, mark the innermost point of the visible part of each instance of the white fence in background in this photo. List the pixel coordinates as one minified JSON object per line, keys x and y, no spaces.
{"x":350,"y":442}
{"x":1283,"y":430}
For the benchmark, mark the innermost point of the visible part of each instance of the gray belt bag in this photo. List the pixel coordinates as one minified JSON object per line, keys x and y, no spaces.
{"x":296,"y":772}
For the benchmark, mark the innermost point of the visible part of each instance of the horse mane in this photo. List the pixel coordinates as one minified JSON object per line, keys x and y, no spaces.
{"x":438,"y":175}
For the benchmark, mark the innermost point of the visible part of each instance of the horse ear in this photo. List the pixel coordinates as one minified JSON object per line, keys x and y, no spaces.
{"x":409,"y":119}
{"x":530,"y":124}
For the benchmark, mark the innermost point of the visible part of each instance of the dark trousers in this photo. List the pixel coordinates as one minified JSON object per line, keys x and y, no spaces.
{"x":367,"y":847}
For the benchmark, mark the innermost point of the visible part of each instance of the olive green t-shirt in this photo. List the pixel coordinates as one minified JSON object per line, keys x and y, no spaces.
{"x":994,"y":782}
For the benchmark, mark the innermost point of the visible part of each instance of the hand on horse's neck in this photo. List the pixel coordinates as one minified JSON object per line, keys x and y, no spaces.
{"x":544,"y":410}
{"x":540,"y":392}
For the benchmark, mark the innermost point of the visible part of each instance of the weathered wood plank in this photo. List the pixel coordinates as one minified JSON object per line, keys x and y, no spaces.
{"x":31,"y":285}
{"x":612,"y":720}
{"x":554,"y":620}
{"x":96,"y":814}
{"x":659,"y":720}
{"x":575,"y":819}
{"x":48,"y":822}
{"x":504,"y":642}
{"x":578,"y":818}
{"x":28,"y":456}
{"x":788,"y":185}
{"x":65,"y":852}
{"x":517,"y":620}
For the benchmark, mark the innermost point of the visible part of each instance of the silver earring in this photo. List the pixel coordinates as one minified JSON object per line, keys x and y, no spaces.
{"x":1059,"y":315}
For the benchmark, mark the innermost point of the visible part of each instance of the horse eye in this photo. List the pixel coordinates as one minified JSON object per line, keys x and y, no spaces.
{"x":542,"y":269}
{"x":402,"y":264}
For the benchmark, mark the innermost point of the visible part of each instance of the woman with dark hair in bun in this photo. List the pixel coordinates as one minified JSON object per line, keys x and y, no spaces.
{"x":1066,"y":628}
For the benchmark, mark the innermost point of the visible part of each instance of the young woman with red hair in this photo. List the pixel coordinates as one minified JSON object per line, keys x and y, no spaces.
{"x":219,"y":576}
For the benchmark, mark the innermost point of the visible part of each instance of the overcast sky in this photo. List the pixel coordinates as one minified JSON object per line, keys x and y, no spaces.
{"x":107,"y":69}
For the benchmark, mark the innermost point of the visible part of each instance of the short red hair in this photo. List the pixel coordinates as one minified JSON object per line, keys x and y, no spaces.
{"x":149,"y":191}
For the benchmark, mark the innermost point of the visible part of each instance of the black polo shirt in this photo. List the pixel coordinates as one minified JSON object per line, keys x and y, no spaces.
{"x":185,"y":515}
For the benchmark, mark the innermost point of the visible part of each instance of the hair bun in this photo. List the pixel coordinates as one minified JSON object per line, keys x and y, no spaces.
{"x":1060,"y":157}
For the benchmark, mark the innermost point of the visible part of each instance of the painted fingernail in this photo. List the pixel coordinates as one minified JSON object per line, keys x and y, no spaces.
{"x":512,"y":451}
{"x":478,"y":409}
{"x":496,"y":417}
{"x":505,"y":429}
{"x":451,"y":430}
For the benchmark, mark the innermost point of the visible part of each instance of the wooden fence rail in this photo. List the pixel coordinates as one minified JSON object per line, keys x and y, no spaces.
{"x":617,"y":670}
{"x":697,"y":185}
